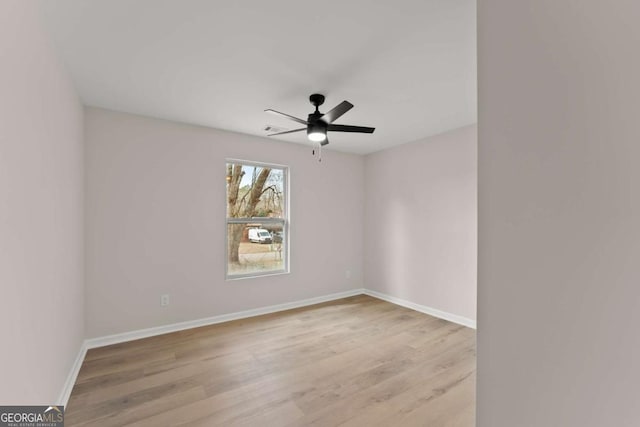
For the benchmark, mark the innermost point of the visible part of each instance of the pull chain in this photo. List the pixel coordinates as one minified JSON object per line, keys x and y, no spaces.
{"x":319,"y":150}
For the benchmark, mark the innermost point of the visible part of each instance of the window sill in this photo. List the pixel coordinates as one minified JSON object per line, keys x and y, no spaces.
{"x":255,"y":275}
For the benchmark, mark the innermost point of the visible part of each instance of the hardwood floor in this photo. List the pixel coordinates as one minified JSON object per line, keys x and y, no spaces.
{"x":358,"y":361}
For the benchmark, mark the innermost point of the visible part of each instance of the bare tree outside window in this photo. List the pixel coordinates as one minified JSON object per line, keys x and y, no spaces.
{"x":256,"y":219}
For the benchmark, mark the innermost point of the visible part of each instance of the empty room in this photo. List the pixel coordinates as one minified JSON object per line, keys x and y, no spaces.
{"x":243,"y":214}
{"x":413,"y":213}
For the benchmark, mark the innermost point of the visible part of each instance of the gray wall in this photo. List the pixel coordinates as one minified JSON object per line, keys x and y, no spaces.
{"x":41,"y":213}
{"x":156,"y":222}
{"x":559,"y":213}
{"x":421,"y":222}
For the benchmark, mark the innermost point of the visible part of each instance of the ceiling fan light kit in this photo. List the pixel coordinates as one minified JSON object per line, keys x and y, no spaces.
{"x":318,"y":124}
{"x":317,"y":132}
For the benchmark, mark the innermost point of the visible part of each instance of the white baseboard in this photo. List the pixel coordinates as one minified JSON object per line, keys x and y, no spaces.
{"x":464,"y":321}
{"x":165,"y":329}
{"x":63,"y":399}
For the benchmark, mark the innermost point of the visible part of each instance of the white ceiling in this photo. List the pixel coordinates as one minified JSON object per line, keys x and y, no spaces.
{"x":408,"y":66}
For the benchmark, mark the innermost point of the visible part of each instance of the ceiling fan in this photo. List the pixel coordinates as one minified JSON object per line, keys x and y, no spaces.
{"x":317,"y":124}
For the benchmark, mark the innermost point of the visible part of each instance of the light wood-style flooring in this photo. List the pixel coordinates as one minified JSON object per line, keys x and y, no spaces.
{"x":358,"y":362}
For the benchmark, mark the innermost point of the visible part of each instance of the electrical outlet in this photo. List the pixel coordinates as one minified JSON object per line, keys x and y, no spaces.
{"x":347,"y":274}
{"x":164,"y":300}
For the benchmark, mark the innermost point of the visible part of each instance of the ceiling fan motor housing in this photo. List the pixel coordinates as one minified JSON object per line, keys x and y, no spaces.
{"x":316,"y":125}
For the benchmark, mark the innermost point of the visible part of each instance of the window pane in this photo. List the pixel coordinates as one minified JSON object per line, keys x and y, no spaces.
{"x":256,"y":248}
{"x":255,"y":191}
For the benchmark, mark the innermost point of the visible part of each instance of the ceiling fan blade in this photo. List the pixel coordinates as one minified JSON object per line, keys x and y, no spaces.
{"x":338,"y":111}
{"x":287,"y":131}
{"x":347,"y":128}
{"x":325,"y":142}
{"x":295,"y":119}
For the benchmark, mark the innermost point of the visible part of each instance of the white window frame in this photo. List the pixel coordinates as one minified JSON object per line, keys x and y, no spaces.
{"x":264,"y":220}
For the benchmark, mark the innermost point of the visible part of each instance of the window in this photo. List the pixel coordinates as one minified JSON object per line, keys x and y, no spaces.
{"x":257,"y":219}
